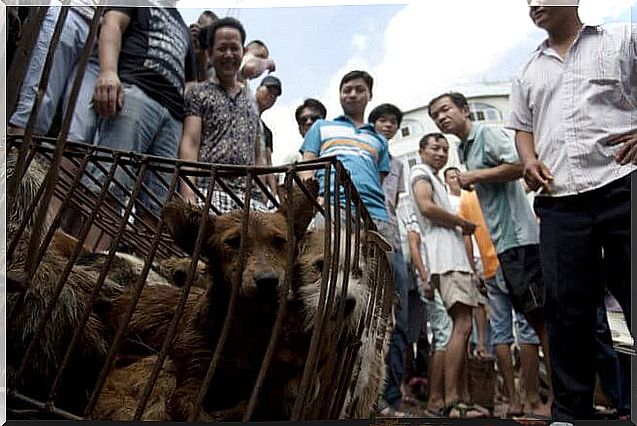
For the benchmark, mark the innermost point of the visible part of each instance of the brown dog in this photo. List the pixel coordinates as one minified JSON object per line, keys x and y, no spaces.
{"x":260,"y":282}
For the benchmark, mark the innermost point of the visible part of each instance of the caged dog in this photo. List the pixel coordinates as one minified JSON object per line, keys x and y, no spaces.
{"x":28,"y":300}
{"x":369,"y":365}
{"x":261,"y":280}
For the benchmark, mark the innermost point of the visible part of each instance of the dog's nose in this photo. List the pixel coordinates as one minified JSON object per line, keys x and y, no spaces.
{"x":350,"y":304}
{"x":266,"y":282}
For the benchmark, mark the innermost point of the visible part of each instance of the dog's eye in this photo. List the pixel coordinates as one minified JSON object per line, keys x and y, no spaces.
{"x":234,"y":242}
{"x":279,"y":242}
{"x":318,"y":264}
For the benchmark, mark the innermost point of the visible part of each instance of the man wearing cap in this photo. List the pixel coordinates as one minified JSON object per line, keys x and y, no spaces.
{"x":266,"y":95}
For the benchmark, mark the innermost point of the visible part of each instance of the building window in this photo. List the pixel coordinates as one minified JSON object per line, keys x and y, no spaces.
{"x":484,"y":112}
{"x":412,"y":162}
{"x":404,"y":132}
{"x":411,"y":129}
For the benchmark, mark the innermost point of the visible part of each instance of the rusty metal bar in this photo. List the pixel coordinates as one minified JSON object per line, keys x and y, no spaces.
{"x":310,"y":363}
{"x":267,"y":359}
{"x":35,"y":110}
{"x":21,"y":59}
{"x":172,"y":331}
{"x":59,"y":286}
{"x":43,"y":407}
{"x":212,"y":368}
{"x":79,"y":77}
{"x":96,"y":289}
{"x":119,"y":335}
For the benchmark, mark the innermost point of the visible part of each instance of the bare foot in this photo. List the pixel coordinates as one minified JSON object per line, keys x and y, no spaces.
{"x":538,"y":410}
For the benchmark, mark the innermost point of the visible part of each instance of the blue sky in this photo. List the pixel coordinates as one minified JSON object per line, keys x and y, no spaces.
{"x":414,"y":50}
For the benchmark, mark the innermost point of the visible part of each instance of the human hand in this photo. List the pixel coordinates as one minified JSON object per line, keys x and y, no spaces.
{"x":627,"y":153}
{"x":108,"y":97}
{"x":537,"y":175}
{"x":468,"y":228}
{"x":194,"y":35}
{"x":270,"y":65}
{"x":427,"y":288}
{"x":467,"y":179}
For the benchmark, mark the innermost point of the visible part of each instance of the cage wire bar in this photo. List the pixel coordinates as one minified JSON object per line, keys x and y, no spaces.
{"x":74,"y":169}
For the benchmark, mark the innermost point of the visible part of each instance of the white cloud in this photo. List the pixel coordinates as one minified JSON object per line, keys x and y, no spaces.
{"x":360,"y":42}
{"x":431,"y":48}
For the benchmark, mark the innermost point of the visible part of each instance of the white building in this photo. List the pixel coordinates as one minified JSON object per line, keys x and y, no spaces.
{"x":489,"y":104}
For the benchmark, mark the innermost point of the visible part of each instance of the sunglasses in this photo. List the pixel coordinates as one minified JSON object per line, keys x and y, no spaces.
{"x":304,"y":118}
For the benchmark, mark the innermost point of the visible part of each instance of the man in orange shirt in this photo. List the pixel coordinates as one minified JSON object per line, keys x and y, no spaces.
{"x":501,"y":319}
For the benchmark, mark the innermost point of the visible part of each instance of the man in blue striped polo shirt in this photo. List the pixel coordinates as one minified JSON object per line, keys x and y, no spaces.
{"x":365,"y":154}
{"x":363,"y":151}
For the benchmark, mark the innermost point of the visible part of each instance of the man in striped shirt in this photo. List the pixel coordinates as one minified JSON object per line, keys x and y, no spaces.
{"x":573,"y":107}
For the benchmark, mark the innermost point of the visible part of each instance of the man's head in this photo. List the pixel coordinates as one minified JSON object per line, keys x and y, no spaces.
{"x":267,"y":92}
{"x":451,"y":179}
{"x":355,"y":92}
{"x":450,"y":113}
{"x":258,"y":49}
{"x":307,"y":113}
{"x":227,"y":37}
{"x":550,"y":15}
{"x":434,"y":150}
{"x":386,"y":119}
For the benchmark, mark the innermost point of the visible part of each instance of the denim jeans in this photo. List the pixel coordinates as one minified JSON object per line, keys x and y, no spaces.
{"x":61,"y":78}
{"x":502,"y":315}
{"x":143,"y":126}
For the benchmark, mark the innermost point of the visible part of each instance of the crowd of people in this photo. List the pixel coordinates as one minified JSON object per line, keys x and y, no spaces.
{"x":482,"y":260}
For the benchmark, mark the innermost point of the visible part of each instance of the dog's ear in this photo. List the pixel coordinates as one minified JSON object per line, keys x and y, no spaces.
{"x":302,"y":207}
{"x":183,"y":221}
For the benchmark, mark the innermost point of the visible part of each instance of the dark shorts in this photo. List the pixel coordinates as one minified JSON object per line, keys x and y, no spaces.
{"x":523,"y":277}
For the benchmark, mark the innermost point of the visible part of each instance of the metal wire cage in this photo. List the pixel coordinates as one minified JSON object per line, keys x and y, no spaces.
{"x":73,"y":306}
{"x":326,"y":384}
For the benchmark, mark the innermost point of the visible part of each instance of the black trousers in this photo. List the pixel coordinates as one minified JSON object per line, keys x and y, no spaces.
{"x":584,"y":247}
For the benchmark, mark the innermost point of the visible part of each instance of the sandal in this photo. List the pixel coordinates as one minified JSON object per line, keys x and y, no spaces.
{"x":462,"y":411}
{"x":384,"y":410}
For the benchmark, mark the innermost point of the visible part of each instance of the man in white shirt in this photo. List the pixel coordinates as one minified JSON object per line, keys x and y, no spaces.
{"x":451,"y":273}
{"x":573,"y":107}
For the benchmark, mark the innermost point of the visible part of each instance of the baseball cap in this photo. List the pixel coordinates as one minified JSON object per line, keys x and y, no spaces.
{"x":272,"y":81}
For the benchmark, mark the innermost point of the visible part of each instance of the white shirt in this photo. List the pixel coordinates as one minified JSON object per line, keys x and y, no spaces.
{"x":572,"y":105}
{"x":445,"y":246}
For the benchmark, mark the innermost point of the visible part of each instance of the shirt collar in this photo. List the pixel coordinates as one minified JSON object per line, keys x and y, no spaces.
{"x":586,"y":29}
{"x":366,"y":126}
{"x":464,"y":145}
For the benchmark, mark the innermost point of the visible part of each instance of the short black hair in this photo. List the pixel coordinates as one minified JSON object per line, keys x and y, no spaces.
{"x":448,"y":169}
{"x":385,"y":109}
{"x":230,"y":22}
{"x":353,"y":75}
{"x":310,"y":103}
{"x":259,"y":43}
{"x":457,"y":98}
{"x":425,"y":139}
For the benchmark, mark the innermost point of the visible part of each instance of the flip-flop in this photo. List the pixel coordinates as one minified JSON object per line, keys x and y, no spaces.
{"x":384,"y":410}
{"x":433,"y":414}
{"x":463,"y":411}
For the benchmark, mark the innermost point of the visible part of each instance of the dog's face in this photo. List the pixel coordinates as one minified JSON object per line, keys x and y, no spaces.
{"x":308,"y":273}
{"x":265,"y":247}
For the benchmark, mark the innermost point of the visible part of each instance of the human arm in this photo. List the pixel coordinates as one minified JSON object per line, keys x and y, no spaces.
{"x":423,"y":193}
{"x":502,"y":173}
{"x":255,"y":66}
{"x":108,"y":96}
{"x":310,"y":148}
{"x":536,"y":174}
{"x":189,"y":150}
{"x":416,"y":259}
